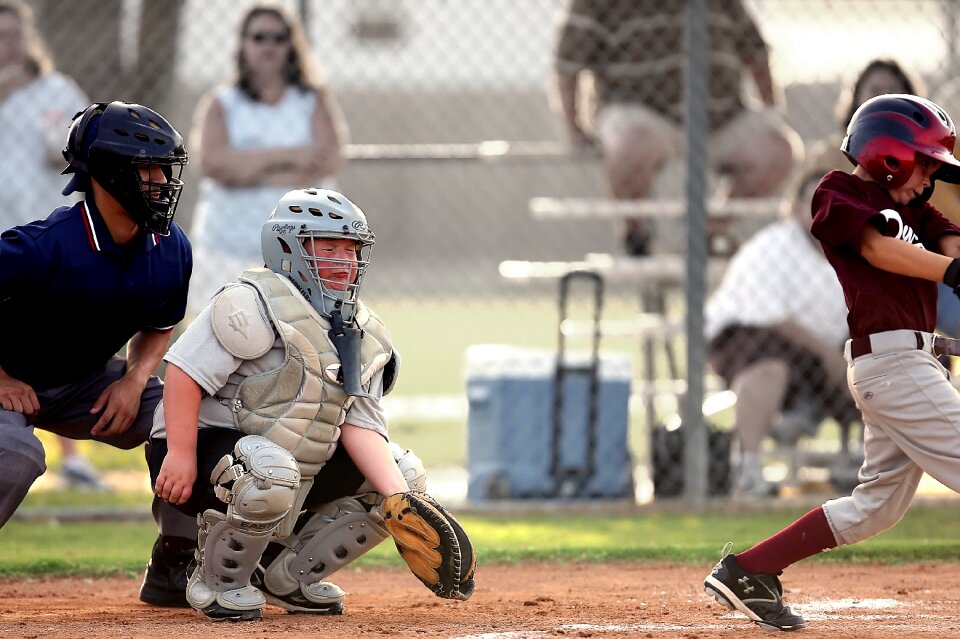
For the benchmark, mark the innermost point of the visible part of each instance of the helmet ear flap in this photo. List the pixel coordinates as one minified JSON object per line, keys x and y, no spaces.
{"x":76,"y":152}
{"x":894,"y":168}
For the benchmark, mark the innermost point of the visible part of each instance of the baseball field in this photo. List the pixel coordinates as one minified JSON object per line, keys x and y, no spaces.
{"x":544,"y":572}
{"x":519,"y":601}
{"x":575,"y":570}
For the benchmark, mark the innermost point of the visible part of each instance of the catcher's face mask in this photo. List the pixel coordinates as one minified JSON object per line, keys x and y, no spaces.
{"x":334,"y":263}
{"x":320,"y":241}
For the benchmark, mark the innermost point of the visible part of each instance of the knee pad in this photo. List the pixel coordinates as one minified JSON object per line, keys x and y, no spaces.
{"x":332,"y":538}
{"x":258,"y":483}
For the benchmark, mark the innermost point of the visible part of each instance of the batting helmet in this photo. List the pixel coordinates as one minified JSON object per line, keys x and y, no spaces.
{"x":887,"y":132}
{"x":111,"y":142}
{"x":302,"y":215}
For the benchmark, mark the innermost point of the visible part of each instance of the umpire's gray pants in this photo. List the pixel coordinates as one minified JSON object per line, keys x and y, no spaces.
{"x":911,"y":417}
{"x":65,"y":410}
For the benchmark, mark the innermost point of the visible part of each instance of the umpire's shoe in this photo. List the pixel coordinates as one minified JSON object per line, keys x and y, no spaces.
{"x":165,"y":582}
{"x":756,"y":595}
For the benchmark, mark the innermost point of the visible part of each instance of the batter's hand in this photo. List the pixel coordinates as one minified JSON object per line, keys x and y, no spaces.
{"x":117,"y":406}
{"x":176,"y":477}
{"x":18,"y":396}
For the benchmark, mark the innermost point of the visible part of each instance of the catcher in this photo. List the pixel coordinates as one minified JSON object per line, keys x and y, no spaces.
{"x":272,"y":433}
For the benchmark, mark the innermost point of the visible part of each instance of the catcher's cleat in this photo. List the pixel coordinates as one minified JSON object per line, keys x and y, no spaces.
{"x":216,"y":612}
{"x":165,"y":580}
{"x":756,"y":595}
{"x":325,"y":598}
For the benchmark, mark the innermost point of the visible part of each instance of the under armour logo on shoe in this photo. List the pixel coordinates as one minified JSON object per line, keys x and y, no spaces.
{"x":745,"y":584}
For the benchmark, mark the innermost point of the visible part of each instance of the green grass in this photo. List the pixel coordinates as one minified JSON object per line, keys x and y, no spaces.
{"x":928,"y":533}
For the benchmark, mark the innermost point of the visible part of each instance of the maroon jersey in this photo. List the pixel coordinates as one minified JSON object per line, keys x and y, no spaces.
{"x":877,"y":300}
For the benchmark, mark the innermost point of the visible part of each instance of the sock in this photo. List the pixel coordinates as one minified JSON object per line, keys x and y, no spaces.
{"x":808,"y":536}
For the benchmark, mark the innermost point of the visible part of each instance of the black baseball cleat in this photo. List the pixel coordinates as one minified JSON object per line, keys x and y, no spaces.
{"x":328,"y":597}
{"x":216,"y":612}
{"x":165,"y":581}
{"x":757,"y":595}
{"x":296,"y":603}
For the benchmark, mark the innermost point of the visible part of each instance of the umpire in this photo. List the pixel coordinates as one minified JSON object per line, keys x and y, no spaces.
{"x":76,"y":287}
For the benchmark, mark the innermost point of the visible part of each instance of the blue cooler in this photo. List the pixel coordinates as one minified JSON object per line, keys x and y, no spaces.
{"x":525,"y":440}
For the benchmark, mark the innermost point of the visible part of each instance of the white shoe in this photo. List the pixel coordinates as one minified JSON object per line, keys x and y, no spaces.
{"x":78,"y":472}
{"x":751,"y":483}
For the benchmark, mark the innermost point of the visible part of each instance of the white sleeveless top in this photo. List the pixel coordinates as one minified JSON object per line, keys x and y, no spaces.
{"x":34,"y":119}
{"x":225,"y":232}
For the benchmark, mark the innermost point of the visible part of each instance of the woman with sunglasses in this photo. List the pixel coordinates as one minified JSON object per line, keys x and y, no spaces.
{"x":276,"y":127}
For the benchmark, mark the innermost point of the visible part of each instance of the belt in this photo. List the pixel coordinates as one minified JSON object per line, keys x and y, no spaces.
{"x":939,"y":345}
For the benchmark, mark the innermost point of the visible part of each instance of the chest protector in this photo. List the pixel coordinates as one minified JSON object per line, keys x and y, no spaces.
{"x":301,"y":404}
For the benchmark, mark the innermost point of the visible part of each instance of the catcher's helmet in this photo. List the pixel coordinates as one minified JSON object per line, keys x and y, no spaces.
{"x":303,"y":214}
{"x":887,"y":132}
{"x":110,"y":142}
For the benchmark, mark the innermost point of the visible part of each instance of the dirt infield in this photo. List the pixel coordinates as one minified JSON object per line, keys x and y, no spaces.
{"x":531,"y":601}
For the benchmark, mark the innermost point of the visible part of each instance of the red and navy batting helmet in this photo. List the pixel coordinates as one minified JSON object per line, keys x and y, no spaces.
{"x":887,"y":132}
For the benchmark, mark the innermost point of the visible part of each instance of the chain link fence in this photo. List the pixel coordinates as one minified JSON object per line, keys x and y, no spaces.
{"x":483,"y":193}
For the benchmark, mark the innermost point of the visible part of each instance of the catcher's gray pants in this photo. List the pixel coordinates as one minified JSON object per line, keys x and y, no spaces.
{"x":911,"y":418}
{"x":65,"y":410}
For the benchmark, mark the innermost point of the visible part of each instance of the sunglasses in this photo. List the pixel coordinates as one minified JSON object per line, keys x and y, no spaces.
{"x":265,"y":36}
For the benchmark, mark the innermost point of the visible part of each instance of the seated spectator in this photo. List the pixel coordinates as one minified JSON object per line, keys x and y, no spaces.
{"x":633,"y":51}
{"x":776,"y":326}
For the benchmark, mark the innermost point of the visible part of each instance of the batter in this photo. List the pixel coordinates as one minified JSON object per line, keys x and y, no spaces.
{"x":889,"y":248}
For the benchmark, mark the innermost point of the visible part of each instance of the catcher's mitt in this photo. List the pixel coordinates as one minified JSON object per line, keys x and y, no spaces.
{"x":432,"y":542}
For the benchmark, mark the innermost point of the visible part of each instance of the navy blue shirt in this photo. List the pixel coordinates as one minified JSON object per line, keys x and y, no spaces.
{"x":71,"y":298}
